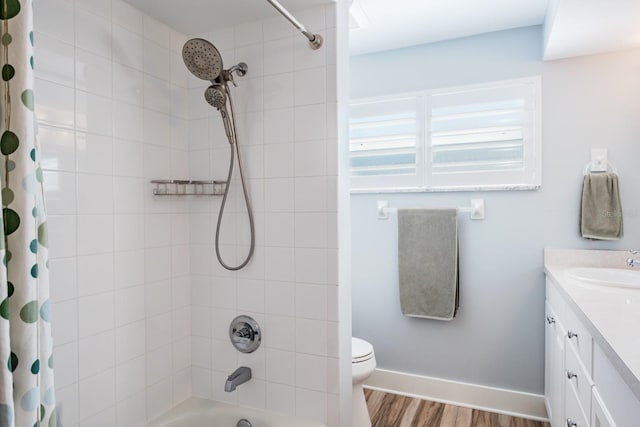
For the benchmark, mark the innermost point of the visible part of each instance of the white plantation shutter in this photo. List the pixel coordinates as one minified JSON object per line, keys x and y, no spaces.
{"x":474,"y":138}
{"x":384,"y":142}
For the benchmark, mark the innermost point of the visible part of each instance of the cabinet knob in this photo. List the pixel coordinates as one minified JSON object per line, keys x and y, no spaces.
{"x":551,"y":320}
{"x":571,"y":375}
{"x":571,"y":423}
{"x":571,"y":334}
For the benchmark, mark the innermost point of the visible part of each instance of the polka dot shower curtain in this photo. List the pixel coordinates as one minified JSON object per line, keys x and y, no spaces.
{"x":27,"y":396}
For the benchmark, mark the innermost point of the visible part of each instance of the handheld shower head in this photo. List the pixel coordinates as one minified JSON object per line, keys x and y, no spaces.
{"x":216,"y":96}
{"x":202,"y":59}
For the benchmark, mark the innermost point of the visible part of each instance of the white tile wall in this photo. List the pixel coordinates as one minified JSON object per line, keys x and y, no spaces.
{"x":141,"y":306}
{"x":120,"y":273}
{"x":285,"y":105}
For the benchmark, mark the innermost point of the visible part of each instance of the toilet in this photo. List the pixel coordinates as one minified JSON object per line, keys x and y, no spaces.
{"x":363,"y":362}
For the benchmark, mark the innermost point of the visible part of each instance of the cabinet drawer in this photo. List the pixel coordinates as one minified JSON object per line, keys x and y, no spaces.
{"x":599,"y":415}
{"x":578,"y":378}
{"x":577,"y":334}
{"x":574,"y":414}
{"x":579,"y":338}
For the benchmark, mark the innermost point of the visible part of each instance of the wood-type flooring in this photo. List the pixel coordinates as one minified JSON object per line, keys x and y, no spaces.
{"x":392,"y":410}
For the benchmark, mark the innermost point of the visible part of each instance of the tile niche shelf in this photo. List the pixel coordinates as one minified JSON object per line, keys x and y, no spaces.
{"x":178,"y":187}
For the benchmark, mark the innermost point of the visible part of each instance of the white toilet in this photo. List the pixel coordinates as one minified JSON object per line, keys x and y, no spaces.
{"x":363,"y":362}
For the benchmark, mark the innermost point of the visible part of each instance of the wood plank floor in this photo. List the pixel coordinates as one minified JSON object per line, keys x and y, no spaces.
{"x":392,"y":410}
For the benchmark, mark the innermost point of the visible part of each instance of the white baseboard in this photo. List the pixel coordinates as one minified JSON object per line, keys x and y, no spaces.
{"x":508,"y":402}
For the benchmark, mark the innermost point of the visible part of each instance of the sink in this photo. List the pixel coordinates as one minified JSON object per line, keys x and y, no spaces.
{"x":616,"y":277}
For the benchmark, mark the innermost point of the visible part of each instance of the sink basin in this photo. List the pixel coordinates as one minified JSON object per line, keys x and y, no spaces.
{"x":617,"y":277}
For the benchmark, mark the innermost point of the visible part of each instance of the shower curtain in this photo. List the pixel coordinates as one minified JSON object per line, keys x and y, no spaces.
{"x":27,"y":397}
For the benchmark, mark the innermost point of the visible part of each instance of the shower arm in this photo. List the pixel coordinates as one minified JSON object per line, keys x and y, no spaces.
{"x":315,"y":40}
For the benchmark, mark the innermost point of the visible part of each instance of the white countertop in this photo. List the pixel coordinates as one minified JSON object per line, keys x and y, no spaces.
{"x":611,"y":314}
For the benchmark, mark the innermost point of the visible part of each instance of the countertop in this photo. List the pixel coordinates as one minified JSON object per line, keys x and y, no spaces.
{"x":612,"y":315}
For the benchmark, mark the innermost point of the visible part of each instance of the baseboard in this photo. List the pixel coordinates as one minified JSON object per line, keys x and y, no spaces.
{"x":508,"y":402}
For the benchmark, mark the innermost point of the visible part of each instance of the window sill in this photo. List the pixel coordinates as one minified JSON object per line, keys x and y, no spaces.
{"x":479,"y":188}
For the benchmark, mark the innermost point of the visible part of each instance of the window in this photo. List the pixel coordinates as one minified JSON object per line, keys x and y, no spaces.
{"x":483,"y":137}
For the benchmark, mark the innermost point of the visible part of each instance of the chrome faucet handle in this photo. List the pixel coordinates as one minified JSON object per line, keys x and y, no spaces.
{"x":633,"y":262}
{"x":245,"y":334}
{"x":242,"y":335}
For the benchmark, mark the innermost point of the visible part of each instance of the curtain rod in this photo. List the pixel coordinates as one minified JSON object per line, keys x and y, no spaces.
{"x":315,"y":40}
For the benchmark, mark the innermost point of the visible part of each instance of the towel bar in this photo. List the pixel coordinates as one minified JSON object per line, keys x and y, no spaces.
{"x":475,"y":211}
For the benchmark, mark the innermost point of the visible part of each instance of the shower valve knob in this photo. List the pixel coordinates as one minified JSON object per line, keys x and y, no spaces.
{"x":245,"y":334}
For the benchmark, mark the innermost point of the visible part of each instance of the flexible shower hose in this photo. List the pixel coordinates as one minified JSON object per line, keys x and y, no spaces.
{"x":233,"y":142}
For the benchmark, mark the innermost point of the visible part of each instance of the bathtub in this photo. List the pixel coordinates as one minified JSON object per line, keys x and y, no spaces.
{"x":196,"y":412}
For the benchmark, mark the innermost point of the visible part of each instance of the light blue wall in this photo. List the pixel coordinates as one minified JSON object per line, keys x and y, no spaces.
{"x":497,"y":339}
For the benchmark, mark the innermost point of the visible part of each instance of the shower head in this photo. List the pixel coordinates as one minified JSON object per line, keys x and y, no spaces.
{"x":216,"y":97}
{"x":202,"y":59}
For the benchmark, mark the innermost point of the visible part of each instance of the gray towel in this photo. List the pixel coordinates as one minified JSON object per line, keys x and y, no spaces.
{"x":601,"y":215}
{"x":428,"y":262}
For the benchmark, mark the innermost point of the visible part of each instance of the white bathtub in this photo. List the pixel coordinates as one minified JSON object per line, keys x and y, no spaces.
{"x":196,"y":412}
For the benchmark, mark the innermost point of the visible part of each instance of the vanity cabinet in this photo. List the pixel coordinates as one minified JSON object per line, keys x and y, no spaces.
{"x":582,"y":387}
{"x":554,"y":366}
{"x":568,"y":358}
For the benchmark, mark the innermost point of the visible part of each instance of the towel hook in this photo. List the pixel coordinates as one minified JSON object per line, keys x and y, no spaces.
{"x":599,"y":162}
{"x":383,"y":209}
{"x":589,"y":168}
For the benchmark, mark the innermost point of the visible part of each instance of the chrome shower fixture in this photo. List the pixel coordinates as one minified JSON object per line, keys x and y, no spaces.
{"x":205,"y":62}
{"x":241,"y":69}
{"x":202,"y":59}
{"x":216,"y":96}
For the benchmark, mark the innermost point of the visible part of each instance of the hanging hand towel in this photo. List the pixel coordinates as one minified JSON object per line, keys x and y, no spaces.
{"x":601,"y":215}
{"x":428,"y":262}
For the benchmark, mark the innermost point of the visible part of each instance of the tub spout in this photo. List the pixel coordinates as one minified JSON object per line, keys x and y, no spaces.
{"x":239,"y":376}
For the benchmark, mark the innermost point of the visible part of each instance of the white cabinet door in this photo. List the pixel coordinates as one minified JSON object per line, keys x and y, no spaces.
{"x":554,"y":367}
{"x":574,"y":413}
{"x":621,"y":402}
{"x":599,"y":415}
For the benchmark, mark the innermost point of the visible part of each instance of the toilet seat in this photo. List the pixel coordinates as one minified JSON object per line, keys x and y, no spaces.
{"x":361,"y":350}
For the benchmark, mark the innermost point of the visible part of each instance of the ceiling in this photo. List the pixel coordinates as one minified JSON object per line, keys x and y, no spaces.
{"x":192,"y":17}
{"x":400,"y":23}
{"x":571,"y":27}
{"x":585,"y":27}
